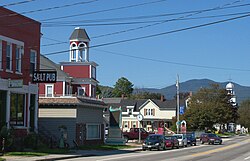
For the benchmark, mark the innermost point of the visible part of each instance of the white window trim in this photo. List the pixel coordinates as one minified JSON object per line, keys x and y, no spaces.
{"x":9,"y":70}
{"x":79,"y":88}
{"x":71,"y":58}
{"x":46,"y":91}
{"x":99,"y":126}
{"x":20,"y":48}
{"x":149,"y":112}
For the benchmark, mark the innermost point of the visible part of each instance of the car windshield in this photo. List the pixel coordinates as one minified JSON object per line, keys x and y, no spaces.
{"x":179,"y":136}
{"x":212,"y":135}
{"x":154,"y":137}
{"x":168,"y":137}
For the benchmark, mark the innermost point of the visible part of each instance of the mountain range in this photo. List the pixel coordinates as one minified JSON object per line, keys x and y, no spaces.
{"x":241,"y":92}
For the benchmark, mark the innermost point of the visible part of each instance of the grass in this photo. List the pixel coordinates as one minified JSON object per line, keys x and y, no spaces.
{"x":2,"y":159}
{"x":226,"y":134}
{"x":30,"y":154}
{"x":105,"y":147}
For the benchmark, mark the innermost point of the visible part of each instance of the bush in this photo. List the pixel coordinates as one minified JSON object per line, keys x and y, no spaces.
{"x":31,"y":141}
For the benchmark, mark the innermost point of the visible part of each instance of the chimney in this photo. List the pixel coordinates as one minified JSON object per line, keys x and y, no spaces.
{"x":162,"y":98}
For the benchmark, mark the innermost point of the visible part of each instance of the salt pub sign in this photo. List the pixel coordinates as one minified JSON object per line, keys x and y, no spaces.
{"x":44,"y":77}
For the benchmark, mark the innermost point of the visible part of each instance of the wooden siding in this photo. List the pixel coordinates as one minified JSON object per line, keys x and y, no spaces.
{"x":51,"y":126}
{"x":90,"y":115}
{"x":56,"y":113}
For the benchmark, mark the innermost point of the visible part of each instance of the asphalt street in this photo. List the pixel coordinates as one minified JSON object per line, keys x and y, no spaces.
{"x":236,"y":149}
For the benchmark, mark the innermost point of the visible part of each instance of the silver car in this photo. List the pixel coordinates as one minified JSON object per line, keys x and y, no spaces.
{"x":182,"y":138}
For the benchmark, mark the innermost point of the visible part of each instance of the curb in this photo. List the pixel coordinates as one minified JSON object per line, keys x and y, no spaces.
{"x":81,"y":155}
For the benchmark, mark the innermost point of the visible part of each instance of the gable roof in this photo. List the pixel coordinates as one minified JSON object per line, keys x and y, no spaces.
{"x":47,"y":64}
{"x":137,"y":104}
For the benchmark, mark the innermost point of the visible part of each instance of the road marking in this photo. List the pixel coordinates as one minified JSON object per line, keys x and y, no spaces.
{"x":221,"y":149}
{"x":247,"y":158}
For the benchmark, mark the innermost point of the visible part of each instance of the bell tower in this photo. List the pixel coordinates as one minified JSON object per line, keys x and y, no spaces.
{"x":79,"y":46}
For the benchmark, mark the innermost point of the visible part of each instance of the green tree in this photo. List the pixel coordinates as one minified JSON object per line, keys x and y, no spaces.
{"x":244,"y":110}
{"x":208,"y":107}
{"x":123,"y":87}
{"x":104,"y":91}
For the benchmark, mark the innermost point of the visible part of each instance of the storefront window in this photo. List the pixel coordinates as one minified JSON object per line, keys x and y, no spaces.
{"x":17,"y":104}
{"x":93,"y":131}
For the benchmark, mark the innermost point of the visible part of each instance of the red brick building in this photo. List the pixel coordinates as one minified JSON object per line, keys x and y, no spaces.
{"x":19,"y":57}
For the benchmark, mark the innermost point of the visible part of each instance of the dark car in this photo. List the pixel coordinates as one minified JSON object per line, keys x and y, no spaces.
{"x":191,"y":139}
{"x":154,"y":141}
{"x":210,"y":138}
{"x":172,"y":142}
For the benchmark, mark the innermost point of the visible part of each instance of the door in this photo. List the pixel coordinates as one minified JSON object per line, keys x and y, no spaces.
{"x":32,"y":111}
{"x":3,"y":96}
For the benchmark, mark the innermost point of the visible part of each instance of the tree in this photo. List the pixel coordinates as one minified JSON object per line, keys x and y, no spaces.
{"x":208,"y":107}
{"x":244,"y":117}
{"x":123,"y":87}
{"x":104,"y":91}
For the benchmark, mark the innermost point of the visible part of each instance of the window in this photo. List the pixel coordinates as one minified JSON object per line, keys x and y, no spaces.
{"x":130,"y":111}
{"x":81,"y":91}
{"x":17,"y":105}
{"x":134,"y":124}
{"x":9,"y":57}
{"x":149,"y":112}
{"x":93,"y":72}
{"x":32,"y":61}
{"x":1,"y":54}
{"x":125,"y":124}
{"x":49,"y":90}
{"x":18,"y":58}
{"x":73,"y":49}
{"x":93,"y":131}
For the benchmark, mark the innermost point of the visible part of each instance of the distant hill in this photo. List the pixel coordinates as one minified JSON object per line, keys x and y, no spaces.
{"x":242,"y":92}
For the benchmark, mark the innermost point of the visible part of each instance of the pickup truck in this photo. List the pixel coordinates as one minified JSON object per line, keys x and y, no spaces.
{"x":134,"y":134}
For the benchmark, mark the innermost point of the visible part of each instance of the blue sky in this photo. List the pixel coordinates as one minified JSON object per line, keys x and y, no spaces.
{"x":218,"y":52}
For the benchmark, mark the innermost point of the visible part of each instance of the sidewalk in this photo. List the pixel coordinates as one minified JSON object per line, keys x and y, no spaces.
{"x":75,"y":154}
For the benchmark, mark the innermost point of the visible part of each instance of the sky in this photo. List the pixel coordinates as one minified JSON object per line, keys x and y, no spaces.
{"x":149,"y":42}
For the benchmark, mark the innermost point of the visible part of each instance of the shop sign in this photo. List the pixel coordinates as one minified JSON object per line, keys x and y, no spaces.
{"x":18,"y":83}
{"x":44,"y":77}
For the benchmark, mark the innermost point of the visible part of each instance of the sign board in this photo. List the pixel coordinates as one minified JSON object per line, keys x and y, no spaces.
{"x":182,"y":110}
{"x":15,"y":83}
{"x":44,"y":77}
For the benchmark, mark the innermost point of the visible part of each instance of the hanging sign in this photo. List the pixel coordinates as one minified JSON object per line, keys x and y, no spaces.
{"x":44,"y":77}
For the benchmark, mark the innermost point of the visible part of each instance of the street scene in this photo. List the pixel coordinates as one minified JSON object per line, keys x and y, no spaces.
{"x":103,"y":80}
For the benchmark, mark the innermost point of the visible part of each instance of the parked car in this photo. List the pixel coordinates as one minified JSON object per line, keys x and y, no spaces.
{"x":191,"y":139}
{"x":182,"y":138}
{"x":154,"y":141}
{"x":210,"y":138}
{"x":134,"y":134}
{"x":171,"y":141}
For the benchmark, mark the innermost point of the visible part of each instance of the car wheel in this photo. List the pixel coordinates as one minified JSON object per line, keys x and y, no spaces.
{"x":202,"y":142}
{"x":194,"y":144}
{"x":178,"y":147}
{"x":143,"y":149}
{"x":220,"y":142}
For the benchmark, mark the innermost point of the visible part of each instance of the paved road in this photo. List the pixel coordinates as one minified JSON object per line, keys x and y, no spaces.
{"x":236,"y":149}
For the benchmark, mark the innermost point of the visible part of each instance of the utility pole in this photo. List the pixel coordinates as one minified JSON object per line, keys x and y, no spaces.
{"x":178,"y":104}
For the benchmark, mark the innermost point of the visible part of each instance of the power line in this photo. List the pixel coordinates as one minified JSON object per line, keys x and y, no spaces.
{"x":140,"y":22}
{"x":174,"y":63}
{"x":105,"y":10}
{"x":165,"y":33}
{"x":17,"y":3}
{"x":169,"y":32}
{"x":50,"y":8}
{"x":143,"y":17}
